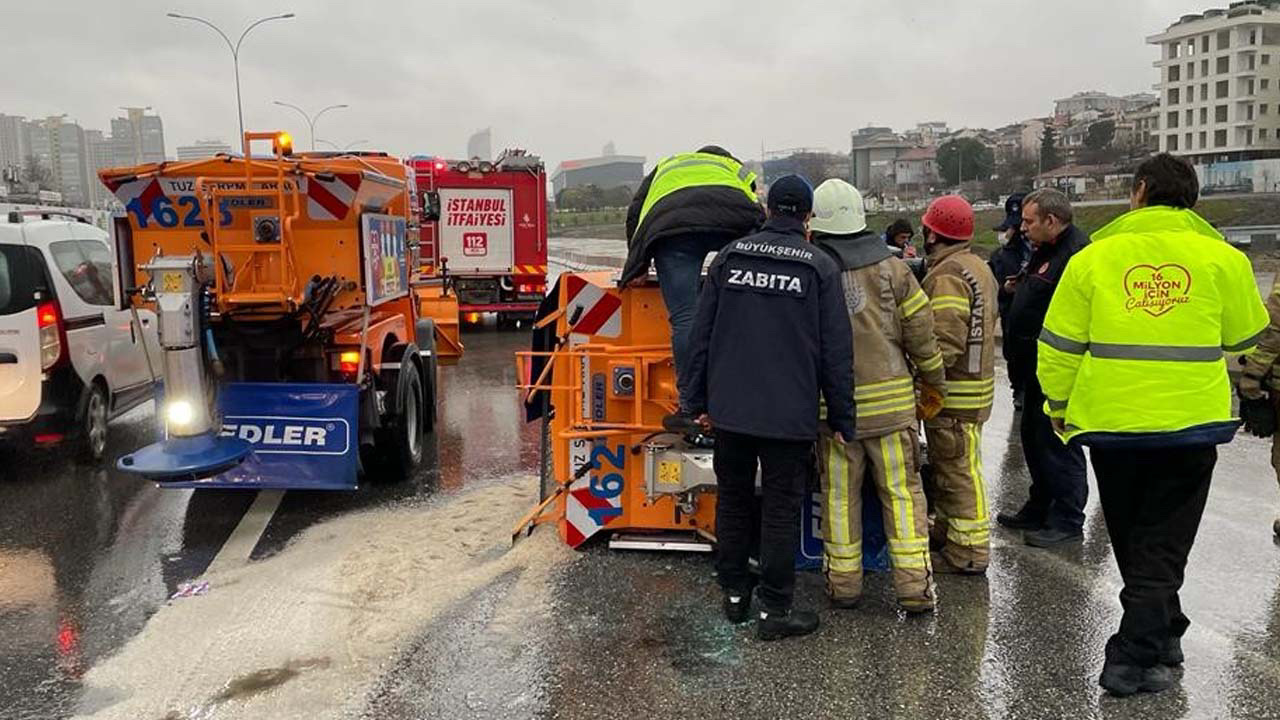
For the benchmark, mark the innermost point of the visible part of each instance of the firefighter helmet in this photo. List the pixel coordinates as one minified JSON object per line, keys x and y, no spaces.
{"x":950,"y":216}
{"x":838,"y":209}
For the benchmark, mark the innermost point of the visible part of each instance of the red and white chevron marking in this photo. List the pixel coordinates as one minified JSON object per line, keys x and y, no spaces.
{"x":579,"y":525}
{"x":332,"y":199}
{"x":598,"y":309}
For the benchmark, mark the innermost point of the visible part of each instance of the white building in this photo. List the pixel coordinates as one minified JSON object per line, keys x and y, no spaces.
{"x":1219,"y":84}
{"x":202,"y":149}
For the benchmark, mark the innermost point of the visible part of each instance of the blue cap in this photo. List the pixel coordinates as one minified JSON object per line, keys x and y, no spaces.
{"x":791,"y":195}
{"x":1012,"y":212}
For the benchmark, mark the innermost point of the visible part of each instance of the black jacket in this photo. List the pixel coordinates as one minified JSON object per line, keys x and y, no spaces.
{"x":1005,"y":262}
{"x":713,"y":210}
{"x":770,"y":333}
{"x":1031,"y":300}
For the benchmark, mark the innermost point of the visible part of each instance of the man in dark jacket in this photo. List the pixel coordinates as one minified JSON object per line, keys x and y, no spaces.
{"x":1054,"y":514}
{"x":1007,"y":263}
{"x":771,"y":334}
{"x":689,"y":206}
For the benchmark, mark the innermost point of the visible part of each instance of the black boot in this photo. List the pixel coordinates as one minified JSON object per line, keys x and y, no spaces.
{"x":737,"y":607}
{"x":775,"y":626}
{"x":1024,"y":519}
{"x":1124,"y":680}
{"x":681,"y":422}
{"x":1051,"y":537}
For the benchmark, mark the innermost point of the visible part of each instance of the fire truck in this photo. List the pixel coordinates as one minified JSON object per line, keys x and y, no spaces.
{"x":484,"y":229}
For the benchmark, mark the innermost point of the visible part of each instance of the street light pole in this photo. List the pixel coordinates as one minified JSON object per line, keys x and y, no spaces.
{"x":235,"y":51}
{"x":311,"y":120}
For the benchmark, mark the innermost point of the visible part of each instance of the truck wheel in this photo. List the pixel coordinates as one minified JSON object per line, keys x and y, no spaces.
{"x":91,"y":425}
{"x":400,"y":440}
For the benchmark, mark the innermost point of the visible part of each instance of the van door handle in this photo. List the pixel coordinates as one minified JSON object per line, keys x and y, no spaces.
{"x":8,"y":359}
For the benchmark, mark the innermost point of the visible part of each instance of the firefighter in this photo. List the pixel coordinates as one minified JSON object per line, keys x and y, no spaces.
{"x":771,"y":334}
{"x":892,"y":333}
{"x":961,"y":289}
{"x":690,"y":205}
{"x":1259,"y":386}
{"x":1131,"y":362}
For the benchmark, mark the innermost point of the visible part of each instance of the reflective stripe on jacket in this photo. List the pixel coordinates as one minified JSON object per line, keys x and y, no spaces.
{"x":1132,"y":351}
{"x":695,"y":170}
{"x":892,"y":334}
{"x":962,"y":292}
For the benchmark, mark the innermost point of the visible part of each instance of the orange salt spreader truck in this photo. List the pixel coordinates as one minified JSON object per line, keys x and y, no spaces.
{"x":294,"y":350}
{"x":600,"y":379}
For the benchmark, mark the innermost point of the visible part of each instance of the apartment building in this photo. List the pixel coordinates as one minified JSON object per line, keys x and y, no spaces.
{"x":1219,"y":84}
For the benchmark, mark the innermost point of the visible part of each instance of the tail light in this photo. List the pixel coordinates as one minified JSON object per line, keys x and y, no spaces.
{"x":528,"y":288}
{"x":53,"y":334}
{"x":349,"y":362}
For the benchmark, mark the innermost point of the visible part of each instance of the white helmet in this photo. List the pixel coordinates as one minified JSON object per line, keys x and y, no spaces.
{"x":838,"y":209}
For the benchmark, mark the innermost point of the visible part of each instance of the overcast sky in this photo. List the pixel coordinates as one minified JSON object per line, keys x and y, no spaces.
{"x":563,"y":77}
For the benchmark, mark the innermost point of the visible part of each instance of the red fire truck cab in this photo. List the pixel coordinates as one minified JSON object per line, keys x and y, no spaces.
{"x":484,"y":228}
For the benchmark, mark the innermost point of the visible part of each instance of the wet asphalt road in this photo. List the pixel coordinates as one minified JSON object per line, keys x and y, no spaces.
{"x":454,"y":624}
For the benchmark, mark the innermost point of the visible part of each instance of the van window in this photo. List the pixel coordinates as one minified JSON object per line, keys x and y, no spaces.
{"x":21,"y":275}
{"x":86,"y":264}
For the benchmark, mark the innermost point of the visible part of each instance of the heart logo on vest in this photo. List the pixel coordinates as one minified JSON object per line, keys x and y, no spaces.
{"x":1156,"y":290}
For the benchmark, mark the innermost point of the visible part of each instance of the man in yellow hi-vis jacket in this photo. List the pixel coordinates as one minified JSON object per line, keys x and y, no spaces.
{"x":962,"y":292}
{"x":1131,"y":359}
{"x":893,"y":344}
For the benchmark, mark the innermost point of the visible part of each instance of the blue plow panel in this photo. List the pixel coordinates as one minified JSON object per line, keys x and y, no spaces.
{"x":304,"y":436}
{"x":875,"y":548}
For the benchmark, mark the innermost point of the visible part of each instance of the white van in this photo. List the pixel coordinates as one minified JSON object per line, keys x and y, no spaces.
{"x":71,"y":358}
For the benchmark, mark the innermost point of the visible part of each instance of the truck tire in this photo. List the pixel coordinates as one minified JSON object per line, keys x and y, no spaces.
{"x":399,"y":441}
{"x":90,"y":433}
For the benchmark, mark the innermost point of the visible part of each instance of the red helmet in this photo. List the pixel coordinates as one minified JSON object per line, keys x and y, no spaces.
{"x":950,"y":216}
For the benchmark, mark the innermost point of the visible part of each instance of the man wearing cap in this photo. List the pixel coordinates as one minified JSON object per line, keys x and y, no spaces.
{"x":960,"y":288}
{"x":894,"y":347}
{"x":689,"y":205}
{"x":1054,"y":512}
{"x":1007,"y":263}
{"x":769,"y":337}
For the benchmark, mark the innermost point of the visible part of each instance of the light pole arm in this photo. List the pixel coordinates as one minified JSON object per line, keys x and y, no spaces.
{"x":206,"y":23}
{"x":253,"y":25}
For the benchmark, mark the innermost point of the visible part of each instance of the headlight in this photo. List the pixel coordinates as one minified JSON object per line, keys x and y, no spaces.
{"x":179,"y":412}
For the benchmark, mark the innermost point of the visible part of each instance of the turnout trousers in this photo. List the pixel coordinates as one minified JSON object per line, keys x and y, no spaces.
{"x":892,"y":462}
{"x":960,"y":499}
{"x":1152,"y":501}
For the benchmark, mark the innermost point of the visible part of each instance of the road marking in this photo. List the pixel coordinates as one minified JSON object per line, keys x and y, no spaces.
{"x":236,"y":550}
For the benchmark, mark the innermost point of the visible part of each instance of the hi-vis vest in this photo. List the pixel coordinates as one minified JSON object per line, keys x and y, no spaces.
{"x":1132,"y":351}
{"x":693,"y":170}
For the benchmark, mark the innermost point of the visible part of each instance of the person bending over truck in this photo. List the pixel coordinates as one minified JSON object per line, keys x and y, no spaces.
{"x":690,"y":205}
